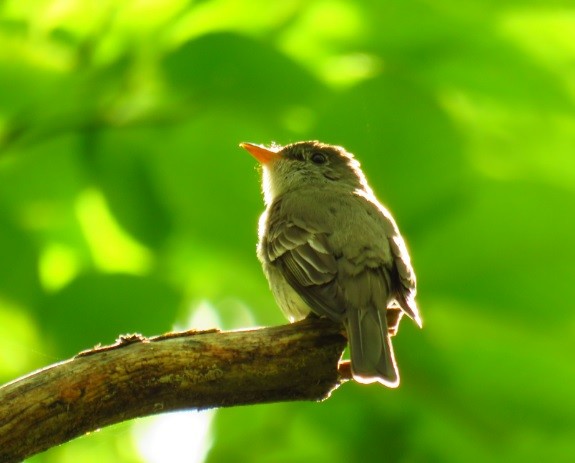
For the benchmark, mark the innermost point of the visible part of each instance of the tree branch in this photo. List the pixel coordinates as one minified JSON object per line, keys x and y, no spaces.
{"x":191,"y":370}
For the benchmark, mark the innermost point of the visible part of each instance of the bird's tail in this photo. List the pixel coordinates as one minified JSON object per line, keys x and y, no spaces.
{"x":371,"y":351}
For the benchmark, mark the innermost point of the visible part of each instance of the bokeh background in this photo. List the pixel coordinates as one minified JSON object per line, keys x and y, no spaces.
{"x":127,"y":206}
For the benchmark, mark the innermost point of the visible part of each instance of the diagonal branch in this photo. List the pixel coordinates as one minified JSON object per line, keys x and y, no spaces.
{"x":191,"y":370}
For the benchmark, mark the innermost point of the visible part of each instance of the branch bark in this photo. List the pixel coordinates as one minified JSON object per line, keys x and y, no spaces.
{"x":143,"y":376}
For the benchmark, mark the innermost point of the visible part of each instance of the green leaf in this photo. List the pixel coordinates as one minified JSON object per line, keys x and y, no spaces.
{"x":97,"y":308}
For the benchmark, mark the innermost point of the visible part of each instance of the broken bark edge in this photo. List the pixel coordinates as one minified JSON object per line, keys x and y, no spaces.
{"x":141,"y":376}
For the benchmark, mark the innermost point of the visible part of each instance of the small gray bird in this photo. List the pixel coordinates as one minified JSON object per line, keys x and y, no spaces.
{"x":329,"y":248}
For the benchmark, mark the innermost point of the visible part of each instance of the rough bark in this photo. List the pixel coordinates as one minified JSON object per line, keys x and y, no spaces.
{"x":143,"y":376}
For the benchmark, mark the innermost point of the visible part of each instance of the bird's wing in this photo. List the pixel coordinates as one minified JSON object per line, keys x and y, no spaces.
{"x":302,"y":253}
{"x":405,"y":293}
{"x":307,"y":263}
{"x":403,"y":276}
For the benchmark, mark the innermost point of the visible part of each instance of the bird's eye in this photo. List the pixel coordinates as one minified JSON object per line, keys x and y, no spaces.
{"x":318,"y":158}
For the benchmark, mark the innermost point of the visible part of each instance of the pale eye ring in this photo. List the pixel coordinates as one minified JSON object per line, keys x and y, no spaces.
{"x":318,"y":158}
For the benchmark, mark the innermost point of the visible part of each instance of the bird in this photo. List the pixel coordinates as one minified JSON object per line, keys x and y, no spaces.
{"x":330,"y":249}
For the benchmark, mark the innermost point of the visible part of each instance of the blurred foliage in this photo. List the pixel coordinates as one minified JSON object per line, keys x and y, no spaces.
{"x":125,"y":204}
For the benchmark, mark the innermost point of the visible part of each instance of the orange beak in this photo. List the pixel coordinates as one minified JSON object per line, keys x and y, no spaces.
{"x":262,"y":154}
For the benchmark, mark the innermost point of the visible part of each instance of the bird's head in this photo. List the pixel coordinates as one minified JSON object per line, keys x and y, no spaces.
{"x":306,"y":163}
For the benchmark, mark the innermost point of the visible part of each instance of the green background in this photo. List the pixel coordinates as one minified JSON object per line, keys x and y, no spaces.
{"x":127,"y":206}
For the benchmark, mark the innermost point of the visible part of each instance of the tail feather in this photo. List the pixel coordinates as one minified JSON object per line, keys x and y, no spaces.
{"x":371,"y":351}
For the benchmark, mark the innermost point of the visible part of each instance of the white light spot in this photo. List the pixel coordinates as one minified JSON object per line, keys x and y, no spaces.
{"x":175,"y":437}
